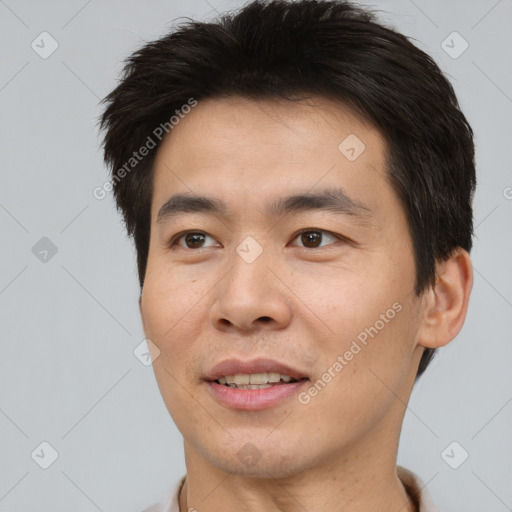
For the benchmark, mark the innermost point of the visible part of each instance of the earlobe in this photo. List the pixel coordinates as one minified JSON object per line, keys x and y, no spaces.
{"x":445,"y":305}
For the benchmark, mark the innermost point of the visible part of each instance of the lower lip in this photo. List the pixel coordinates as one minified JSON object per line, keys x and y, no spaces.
{"x":254,"y":399}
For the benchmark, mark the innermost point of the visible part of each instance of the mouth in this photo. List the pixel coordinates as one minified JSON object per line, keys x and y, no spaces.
{"x":256,"y":380}
{"x":259,"y":371}
{"x":253,"y":385}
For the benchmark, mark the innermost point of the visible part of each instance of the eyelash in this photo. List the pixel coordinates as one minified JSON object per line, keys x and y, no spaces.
{"x":175,"y":240}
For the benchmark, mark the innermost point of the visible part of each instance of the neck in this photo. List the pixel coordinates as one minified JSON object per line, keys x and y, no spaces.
{"x":404,"y":502}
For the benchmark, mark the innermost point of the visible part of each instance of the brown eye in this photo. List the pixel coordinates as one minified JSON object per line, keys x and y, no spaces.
{"x":311,"y":239}
{"x":192,"y":240}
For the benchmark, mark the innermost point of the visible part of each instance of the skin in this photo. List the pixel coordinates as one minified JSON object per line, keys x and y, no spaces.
{"x":297,"y":303}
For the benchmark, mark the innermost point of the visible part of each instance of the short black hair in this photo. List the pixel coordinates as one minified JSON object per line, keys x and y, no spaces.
{"x":292,"y":50}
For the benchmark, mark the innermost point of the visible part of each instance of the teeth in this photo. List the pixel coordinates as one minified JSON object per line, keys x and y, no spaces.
{"x":257,"y":379}
{"x":242,"y":379}
{"x":250,"y":386}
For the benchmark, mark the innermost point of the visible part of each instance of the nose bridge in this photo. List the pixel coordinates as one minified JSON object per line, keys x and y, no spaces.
{"x":250,"y":292}
{"x":249,"y":275}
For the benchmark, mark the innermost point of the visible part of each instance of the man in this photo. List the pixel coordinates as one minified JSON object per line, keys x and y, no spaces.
{"x":298,"y":182}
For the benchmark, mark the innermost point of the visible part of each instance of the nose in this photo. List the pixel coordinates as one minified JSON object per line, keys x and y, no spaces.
{"x":250,"y":297}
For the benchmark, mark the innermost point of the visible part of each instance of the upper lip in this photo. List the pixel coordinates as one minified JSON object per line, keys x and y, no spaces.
{"x":259,"y":365}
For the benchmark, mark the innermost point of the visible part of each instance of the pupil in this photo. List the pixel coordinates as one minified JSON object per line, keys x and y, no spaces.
{"x":311,"y":237}
{"x":194,"y":239}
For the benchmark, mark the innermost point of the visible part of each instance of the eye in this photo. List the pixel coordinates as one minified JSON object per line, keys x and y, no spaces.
{"x":191,"y":240}
{"x":312,"y":238}
{"x":309,"y":238}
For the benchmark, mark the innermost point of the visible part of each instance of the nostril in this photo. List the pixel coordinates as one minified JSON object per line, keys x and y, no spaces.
{"x":265,"y":319}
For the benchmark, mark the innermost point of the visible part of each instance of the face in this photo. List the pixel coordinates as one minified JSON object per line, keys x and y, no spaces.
{"x":323,"y":283}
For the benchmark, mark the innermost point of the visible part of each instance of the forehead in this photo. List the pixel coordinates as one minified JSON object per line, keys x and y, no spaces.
{"x":244,"y":150}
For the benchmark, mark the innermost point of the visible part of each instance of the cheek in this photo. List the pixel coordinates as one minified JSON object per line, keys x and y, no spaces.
{"x":171,"y":305}
{"x":348,"y":299}
{"x":370,"y":316}
{"x":363,"y":370}
{"x":170,"y":311}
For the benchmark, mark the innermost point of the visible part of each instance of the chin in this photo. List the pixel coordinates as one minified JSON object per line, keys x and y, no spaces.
{"x":257,"y":458}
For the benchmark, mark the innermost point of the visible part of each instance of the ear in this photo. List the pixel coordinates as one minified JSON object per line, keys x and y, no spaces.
{"x":445,"y":305}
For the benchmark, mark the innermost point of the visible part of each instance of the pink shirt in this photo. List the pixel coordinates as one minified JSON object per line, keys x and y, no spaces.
{"x":414,"y":485}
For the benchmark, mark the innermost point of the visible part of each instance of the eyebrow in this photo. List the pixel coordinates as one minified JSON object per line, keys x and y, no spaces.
{"x":334,"y":200}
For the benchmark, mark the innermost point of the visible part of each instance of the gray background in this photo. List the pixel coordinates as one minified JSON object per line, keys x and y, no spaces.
{"x":70,"y":324}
